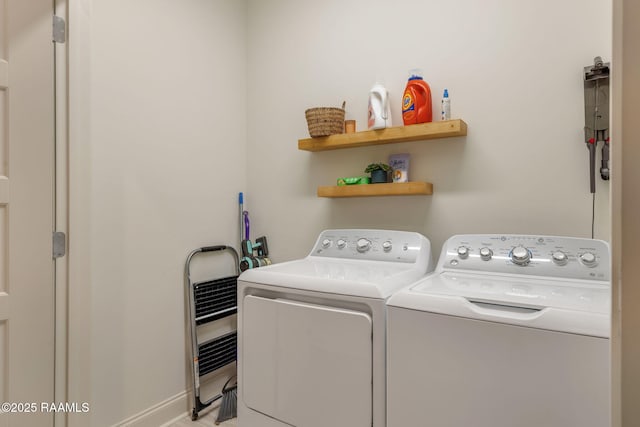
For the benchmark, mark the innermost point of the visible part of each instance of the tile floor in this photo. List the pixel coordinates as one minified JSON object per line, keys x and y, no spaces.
{"x":206,"y":419}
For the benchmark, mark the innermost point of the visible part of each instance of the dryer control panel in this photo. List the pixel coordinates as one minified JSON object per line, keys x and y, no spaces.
{"x":546,"y":256}
{"x":373,"y":245}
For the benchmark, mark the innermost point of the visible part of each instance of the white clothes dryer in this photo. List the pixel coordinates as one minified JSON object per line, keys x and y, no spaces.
{"x":311,"y":332}
{"x":508,"y":331}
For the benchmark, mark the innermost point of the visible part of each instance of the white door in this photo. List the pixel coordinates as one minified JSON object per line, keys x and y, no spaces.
{"x":26,"y":211}
{"x":304,"y":364}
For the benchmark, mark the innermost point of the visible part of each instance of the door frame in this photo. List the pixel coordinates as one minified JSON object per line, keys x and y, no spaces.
{"x":78,"y":201}
{"x":61,"y":217}
{"x":625,"y":207}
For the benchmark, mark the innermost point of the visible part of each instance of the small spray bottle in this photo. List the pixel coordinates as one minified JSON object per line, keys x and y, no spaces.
{"x":446,"y":106}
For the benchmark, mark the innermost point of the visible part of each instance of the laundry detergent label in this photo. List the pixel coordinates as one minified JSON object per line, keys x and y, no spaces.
{"x":408,"y":103}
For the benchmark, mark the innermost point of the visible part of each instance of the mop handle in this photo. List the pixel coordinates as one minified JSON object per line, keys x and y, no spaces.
{"x":241,"y":205}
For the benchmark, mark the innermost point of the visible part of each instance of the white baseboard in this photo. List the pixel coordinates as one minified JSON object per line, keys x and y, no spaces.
{"x":165,"y":412}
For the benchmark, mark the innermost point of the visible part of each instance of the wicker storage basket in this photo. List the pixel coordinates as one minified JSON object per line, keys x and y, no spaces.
{"x":324,"y":121}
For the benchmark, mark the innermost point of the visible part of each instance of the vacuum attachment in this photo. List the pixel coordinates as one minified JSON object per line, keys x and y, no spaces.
{"x":604,"y":168}
{"x":596,"y":116}
{"x":254,"y":255}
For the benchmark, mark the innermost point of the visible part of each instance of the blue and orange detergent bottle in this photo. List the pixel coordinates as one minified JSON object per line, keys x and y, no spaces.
{"x":416,"y":102}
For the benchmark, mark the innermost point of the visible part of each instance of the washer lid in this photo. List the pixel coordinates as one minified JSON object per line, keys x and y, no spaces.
{"x":562,"y":305}
{"x":372,"y":279}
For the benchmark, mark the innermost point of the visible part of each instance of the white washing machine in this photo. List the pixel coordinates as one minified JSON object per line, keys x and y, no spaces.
{"x":509,"y":331}
{"x":311,"y":332}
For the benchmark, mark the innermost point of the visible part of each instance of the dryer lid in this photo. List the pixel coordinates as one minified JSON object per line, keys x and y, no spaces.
{"x":356,"y":262}
{"x":372,"y":279}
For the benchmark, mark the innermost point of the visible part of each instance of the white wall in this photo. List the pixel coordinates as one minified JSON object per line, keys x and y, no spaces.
{"x":164,"y":91}
{"x":513,"y":70}
{"x":177,"y":106}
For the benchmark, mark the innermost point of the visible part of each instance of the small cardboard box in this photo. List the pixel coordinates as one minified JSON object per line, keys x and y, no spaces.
{"x":400,"y":165}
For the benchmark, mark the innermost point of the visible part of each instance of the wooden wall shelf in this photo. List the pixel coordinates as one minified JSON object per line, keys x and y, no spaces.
{"x":419,"y":132}
{"x":370,"y":190}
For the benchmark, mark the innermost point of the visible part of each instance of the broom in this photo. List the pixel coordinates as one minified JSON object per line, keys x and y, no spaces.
{"x":229,"y":405}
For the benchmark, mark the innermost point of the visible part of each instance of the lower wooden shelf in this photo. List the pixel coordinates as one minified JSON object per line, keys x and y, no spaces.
{"x":371,"y":190}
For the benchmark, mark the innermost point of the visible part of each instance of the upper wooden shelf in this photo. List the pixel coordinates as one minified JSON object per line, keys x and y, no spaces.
{"x":419,"y":132}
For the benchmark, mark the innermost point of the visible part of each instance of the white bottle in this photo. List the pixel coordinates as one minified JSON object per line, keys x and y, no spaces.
{"x":379,"y":107}
{"x":446,"y":106}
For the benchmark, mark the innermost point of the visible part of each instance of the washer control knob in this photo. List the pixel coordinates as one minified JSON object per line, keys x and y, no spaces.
{"x":589,"y":259}
{"x":486,"y":254}
{"x":342,"y":243}
{"x":520,"y":255}
{"x":387,"y":246}
{"x":463,"y":252}
{"x":363,"y":245}
{"x":559,"y":258}
{"x":326,"y":243}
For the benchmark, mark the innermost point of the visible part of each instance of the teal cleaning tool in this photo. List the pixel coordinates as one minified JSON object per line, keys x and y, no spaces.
{"x":254,"y":255}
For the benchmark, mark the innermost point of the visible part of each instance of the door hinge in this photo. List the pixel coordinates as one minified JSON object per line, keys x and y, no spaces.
{"x":59,"y":244}
{"x":59,"y":29}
